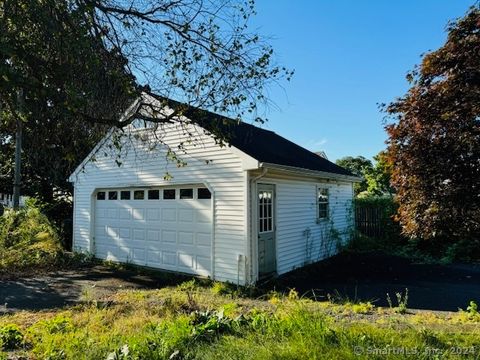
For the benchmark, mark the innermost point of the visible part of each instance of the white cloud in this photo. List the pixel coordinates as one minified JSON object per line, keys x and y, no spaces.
{"x":316,"y":145}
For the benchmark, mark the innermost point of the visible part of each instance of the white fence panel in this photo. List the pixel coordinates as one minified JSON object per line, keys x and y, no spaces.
{"x":7,"y":200}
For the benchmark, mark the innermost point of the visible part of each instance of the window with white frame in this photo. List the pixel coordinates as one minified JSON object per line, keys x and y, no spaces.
{"x":322,"y":203}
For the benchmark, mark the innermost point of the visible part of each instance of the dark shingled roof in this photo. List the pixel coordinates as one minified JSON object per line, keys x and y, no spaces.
{"x":262,"y":145}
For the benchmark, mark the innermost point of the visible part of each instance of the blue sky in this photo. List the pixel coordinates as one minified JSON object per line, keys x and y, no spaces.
{"x":348,"y":56}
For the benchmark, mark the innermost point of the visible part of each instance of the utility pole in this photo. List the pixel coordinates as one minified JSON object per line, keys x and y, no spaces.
{"x":18,"y":151}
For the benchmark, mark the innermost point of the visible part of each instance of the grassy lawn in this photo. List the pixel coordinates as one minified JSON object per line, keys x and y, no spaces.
{"x":217,"y":321}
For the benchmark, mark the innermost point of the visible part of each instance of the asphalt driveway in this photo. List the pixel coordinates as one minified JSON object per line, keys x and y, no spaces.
{"x":69,"y":287}
{"x":367,"y":277}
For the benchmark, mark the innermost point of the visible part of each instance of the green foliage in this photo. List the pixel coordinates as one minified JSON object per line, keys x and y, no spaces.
{"x":358,"y":166}
{"x":433,"y":143}
{"x":71,"y":82}
{"x":470,"y":315}
{"x":467,"y":250}
{"x":233,"y":290}
{"x":472,"y":309}
{"x":80,"y":69}
{"x":209,"y":324}
{"x":144,"y":325}
{"x":11,"y":337}
{"x":402,"y":302}
{"x":27,"y":239}
{"x":378,"y":177}
{"x":375,"y":176}
{"x":363,"y":307}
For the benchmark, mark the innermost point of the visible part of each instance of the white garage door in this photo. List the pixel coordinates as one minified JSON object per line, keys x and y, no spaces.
{"x":167,"y":228}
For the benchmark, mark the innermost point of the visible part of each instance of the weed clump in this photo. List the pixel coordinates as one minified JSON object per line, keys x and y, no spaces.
{"x":11,"y":337}
{"x":28,"y":240}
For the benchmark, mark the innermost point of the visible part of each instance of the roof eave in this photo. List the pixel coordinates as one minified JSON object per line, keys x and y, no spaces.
{"x":307,"y":172}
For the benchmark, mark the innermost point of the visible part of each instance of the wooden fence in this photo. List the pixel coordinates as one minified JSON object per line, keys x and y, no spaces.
{"x":370,"y":220}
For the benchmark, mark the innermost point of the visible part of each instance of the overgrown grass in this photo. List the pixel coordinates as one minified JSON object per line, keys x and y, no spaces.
{"x":196,"y":322}
{"x":29,"y":242}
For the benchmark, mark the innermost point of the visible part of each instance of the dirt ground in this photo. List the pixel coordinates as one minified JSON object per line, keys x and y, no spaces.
{"x":366,"y":277}
{"x":68,"y":287}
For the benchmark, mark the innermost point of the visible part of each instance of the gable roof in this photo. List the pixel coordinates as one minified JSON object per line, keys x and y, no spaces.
{"x":263,"y":145}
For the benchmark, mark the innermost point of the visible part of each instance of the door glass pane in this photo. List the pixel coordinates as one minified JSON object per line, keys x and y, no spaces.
{"x":112,"y":195}
{"x":265,"y":211}
{"x":153,"y":194}
{"x":125,"y":195}
{"x":204,"y":193}
{"x":186,"y":193}
{"x":139,"y":194}
{"x":169,"y":194}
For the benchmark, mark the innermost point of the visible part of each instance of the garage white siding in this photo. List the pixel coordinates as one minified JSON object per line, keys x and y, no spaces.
{"x":206,"y":163}
{"x":300,"y":239}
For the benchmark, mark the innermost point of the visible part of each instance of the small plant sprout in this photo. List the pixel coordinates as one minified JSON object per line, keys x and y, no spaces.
{"x":472,"y":308}
{"x":402,"y":302}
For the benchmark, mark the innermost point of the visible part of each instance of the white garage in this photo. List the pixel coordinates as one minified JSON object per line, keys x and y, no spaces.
{"x":168,"y":228}
{"x":258,"y":207}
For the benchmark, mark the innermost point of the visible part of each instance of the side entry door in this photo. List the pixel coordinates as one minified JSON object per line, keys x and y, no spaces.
{"x":266,"y":229}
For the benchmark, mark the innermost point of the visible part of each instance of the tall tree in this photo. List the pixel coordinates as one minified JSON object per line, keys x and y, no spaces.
{"x":434,"y":138}
{"x":359,"y":166}
{"x":82,"y":62}
{"x":378,"y":178}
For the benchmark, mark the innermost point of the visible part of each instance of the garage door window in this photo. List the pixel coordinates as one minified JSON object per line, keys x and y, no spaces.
{"x":204,"y":193}
{"x":169,"y":194}
{"x":101,"y":195}
{"x":112,"y":195}
{"x":186,"y":194}
{"x":138,"y":195}
{"x":153,"y":194}
{"x":125,"y":195}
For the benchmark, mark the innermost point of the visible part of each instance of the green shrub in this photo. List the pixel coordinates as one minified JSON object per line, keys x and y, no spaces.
{"x":463,"y":250}
{"x":27,"y":239}
{"x":11,"y":337}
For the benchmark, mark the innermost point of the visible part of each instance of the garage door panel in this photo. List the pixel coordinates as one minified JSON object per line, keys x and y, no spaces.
{"x":203,"y":216}
{"x":100,"y":213}
{"x":153,"y":214}
{"x":124,"y":233}
{"x":111,"y":232}
{"x":124,"y":214}
{"x":169,"y":214}
{"x":170,"y":234}
{"x":153,"y":235}
{"x":185,"y":260}
{"x":100,"y":231}
{"x":113,"y":253}
{"x":138,"y":255}
{"x":204,"y":239}
{"x":169,"y":258}
{"x":138,"y":234}
{"x":138,"y":214}
{"x":185,"y":238}
{"x":202,"y":263}
{"x":154,"y":256}
{"x":185,"y":215}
